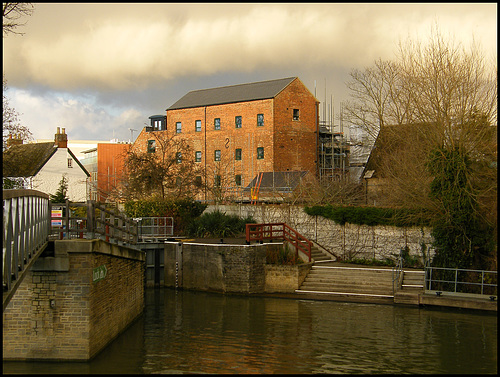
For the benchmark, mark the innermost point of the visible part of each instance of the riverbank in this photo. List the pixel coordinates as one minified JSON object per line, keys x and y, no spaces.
{"x":232,"y":279}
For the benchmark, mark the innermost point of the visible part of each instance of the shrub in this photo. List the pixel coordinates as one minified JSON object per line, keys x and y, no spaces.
{"x":183,"y":211}
{"x":218,"y":224}
{"x":281,"y":255}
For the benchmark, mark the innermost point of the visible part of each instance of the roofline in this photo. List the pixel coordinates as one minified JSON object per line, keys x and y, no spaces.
{"x":292,"y":78}
{"x":79,"y":163}
{"x":46,"y":160}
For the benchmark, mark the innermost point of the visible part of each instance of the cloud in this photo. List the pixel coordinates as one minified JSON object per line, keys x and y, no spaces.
{"x":123,"y":51}
{"x":81,"y":117}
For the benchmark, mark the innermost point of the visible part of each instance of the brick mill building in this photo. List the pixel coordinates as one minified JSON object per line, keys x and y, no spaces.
{"x":239,"y":131}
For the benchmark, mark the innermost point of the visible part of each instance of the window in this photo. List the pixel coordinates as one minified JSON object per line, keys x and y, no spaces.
{"x":260,"y":120}
{"x":178,"y":127}
{"x":217,"y":155}
{"x":217,"y":123}
{"x":295,"y":114}
{"x":178,"y":181}
{"x":151,"y":146}
{"x":260,"y":153}
{"x":70,"y":162}
{"x":237,"y":179}
{"x":237,"y":154}
{"x":197,"y":125}
{"x":237,"y":121}
{"x":158,"y":124}
{"x":197,"y":156}
{"x":217,"y":180}
{"x":178,"y":156}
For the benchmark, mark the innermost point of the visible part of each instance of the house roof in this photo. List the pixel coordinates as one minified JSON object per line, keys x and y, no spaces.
{"x":231,"y":94}
{"x":26,"y":160}
{"x":282,"y":181}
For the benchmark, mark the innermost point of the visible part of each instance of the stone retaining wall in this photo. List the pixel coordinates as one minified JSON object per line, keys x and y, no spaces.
{"x":63,"y":310}
{"x":215,"y":267}
{"x":345,"y":241}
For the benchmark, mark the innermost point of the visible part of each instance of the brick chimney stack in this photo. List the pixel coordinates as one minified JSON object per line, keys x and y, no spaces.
{"x":61,"y":139}
{"x":14,"y":140}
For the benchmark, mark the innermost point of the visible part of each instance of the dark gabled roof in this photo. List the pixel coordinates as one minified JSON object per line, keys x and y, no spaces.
{"x":26,"y":160}
{"x":231,"y":94}
{"x":282,"y":181}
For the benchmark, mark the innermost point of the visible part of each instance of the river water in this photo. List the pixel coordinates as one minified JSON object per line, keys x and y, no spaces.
{"x":198,"y":332}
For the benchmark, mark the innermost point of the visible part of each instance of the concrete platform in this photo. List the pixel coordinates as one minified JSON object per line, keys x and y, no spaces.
{"x":459,"y":300}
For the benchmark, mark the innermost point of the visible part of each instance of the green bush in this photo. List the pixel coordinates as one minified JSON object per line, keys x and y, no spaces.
{"x":371,"y":262}
{"x":218,"y":224}
{"x":367,"y":215}
{"x":183,"y":211}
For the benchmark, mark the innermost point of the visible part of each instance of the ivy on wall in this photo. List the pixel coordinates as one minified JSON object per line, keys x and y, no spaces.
{"x":367,"y":215}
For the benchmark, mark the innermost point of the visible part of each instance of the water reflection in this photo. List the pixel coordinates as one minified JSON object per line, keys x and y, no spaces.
{"x":197,"y":332}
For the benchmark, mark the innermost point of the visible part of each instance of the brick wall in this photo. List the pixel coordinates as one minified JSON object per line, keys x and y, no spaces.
{"x":288,"y":144}
{"x":85,"y":315}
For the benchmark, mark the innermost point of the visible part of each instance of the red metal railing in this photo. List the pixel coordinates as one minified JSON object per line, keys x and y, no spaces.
{"x":279,"y":231}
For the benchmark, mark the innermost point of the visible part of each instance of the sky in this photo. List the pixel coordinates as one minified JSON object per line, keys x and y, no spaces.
{"x":100,"y":70}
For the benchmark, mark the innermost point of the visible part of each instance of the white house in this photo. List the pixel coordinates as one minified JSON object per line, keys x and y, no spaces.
{"x":41,"y":166}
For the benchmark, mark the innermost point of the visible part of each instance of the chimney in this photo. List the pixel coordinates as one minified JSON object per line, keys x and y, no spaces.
{"x":14,"y":140}
{"x":61,"y":139}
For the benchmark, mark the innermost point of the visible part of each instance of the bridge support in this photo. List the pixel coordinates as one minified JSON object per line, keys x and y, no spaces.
{"x":74,"y":301}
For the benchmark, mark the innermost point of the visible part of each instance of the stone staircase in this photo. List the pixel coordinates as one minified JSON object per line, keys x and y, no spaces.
{"x":411,"y":288}
{"x":336,"y":279}
{"x":320,"y":255}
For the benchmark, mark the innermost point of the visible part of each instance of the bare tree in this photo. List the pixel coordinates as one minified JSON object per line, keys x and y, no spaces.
{"x":12,"y":15}
{"x":11,"y":126}
{"x":167,"y":169}
{"x":438,"y":114}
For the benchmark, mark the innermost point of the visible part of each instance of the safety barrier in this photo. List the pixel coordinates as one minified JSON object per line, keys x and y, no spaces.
{"x":279,"y":231}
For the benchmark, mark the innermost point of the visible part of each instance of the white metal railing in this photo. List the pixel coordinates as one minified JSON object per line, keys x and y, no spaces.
{"x":26,"y":225}
{"x":461,"y":280}
{"x":155,"y":227}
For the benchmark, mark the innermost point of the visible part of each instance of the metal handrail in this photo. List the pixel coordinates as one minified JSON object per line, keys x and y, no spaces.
{"x":397,"y":274}
{"x":99,"y":222}
{"x":25,"y":233}
{"x":155,"y":227}
{"x":279,"y":231}
{"x":456,"y":282}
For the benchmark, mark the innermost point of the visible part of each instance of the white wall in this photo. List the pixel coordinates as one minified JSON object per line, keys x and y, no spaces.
{"x":349,"y":241}
{"x":48,"y":178}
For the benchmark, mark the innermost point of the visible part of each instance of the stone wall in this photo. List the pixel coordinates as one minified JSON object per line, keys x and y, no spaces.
{"x":345,"y":241}
{"x":215,"y":267}
{"x":285,"y":279}
{"x":63,"y":311}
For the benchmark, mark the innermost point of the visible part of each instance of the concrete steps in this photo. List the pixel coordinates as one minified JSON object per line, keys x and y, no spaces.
{"x":337,"y":280}
{"x":413,"y":280}
{"x":411,"y":288}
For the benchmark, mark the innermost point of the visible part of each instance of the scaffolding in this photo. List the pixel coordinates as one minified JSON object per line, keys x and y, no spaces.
{"x":333,"y":146}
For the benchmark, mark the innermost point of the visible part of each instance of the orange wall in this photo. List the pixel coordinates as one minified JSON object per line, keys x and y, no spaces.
{"x":110,"y":160}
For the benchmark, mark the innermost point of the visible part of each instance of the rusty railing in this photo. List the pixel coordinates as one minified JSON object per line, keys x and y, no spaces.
{"x":279,"y":231}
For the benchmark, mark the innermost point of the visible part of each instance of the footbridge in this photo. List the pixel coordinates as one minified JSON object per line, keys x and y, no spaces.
{"x":73,"y":277}
{"x":31,"y":220}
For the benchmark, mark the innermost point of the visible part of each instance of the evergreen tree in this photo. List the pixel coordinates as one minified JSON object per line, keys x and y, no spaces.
{"x":60,"y":195}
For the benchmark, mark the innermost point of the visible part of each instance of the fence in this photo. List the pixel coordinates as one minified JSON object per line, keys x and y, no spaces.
{"x":461,"y":280}
{"x":150,"y":228}
{"x":279,"y":231}
{"x":94,"y":221}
